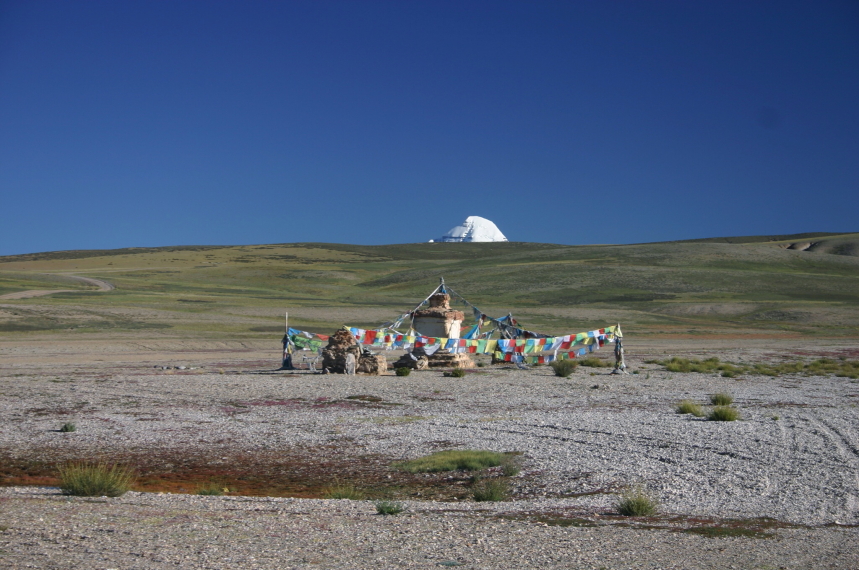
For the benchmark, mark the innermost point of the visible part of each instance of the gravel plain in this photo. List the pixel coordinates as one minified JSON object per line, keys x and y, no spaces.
{"x":778,"y":489}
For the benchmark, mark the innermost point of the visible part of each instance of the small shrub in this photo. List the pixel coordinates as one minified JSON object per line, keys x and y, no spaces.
{"x":481,"y":364}
{"x":491,"y":490}
{"x":458,"y":373}
{"x":690,"y":407}
{"x":776,"y":418}
{"x":212,"y":489}
{"x":95,"y":479}
{"x":709,"y":365}
{"x":389,"y":508}
{"x":68,"y":427}
{"x":344,"y":491}
{"x":721,"y":399}
{"x":564,"y":368}
{"x":452,"y":460}
{"x":510,"y":466}
{"x":403,"y":371}
{"x":594,"y":362}
{"x":819,"y":367}
{"x":636,"y":502}
{"x":724,"y":414}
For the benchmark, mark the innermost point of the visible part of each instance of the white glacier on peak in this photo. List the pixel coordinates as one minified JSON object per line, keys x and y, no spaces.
{"x":474,"y":228}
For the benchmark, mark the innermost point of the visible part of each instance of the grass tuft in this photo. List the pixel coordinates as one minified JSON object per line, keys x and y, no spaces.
{"x":403,"y":371}
{"x":564,"y":368}
{"x":452,"y":460}
{"x":95,"y":479}
{"x":721,"y":399}
{"x":636,"y":502}
{"x":344,"y":491}
{"x":490,"y":490}
{"x":724,"y":414}
{"x":594,"y":362}
{"x":389,"y":508}
{"x":212,"y":489}
{"x":690,"y":407}
{"x":842,"y":368}
{"x":68,"y":427}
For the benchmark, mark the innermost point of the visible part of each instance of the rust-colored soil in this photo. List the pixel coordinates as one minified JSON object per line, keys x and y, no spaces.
{"x":299,"y":473}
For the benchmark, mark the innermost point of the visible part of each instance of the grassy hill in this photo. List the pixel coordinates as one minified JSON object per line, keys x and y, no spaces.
{"x":715,"y":286}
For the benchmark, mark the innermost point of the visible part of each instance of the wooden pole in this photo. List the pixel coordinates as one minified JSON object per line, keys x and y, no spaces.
{"x":286,"y":362}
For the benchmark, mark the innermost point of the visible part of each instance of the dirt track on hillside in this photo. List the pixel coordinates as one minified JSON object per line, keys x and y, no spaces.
{"x":101,"y":286}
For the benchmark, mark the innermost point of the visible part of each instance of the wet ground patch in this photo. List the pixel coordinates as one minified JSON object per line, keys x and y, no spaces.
{"x":302,"y":473}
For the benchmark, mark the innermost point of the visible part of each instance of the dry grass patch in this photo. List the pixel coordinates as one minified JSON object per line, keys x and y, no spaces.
{"x":690,"y":407}
{"x":212,"y":489}
{"x":453,"y":460}
{"x":594,"y":362}
{"x":724,"y":414}
{"x":721,"y":399}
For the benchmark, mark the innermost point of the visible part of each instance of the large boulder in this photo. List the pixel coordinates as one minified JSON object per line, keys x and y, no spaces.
{"x":374,"y":364}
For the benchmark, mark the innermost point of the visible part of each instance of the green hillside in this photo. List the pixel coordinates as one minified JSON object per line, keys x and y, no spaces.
{"x":695,"y":287}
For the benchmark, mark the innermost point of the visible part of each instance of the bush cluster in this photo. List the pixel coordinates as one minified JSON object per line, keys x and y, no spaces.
{"x":564,"y":368}
{"x":722,"y":412}
{"x":403,"y":371}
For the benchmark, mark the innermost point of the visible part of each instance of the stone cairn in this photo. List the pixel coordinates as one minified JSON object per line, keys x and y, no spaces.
{"x":342,"y":343}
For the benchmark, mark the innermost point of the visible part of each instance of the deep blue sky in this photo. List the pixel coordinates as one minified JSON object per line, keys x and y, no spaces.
{"x":167,"y":123}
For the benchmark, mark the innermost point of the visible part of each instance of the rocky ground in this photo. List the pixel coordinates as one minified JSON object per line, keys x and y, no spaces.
{"x":780,"y":488}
